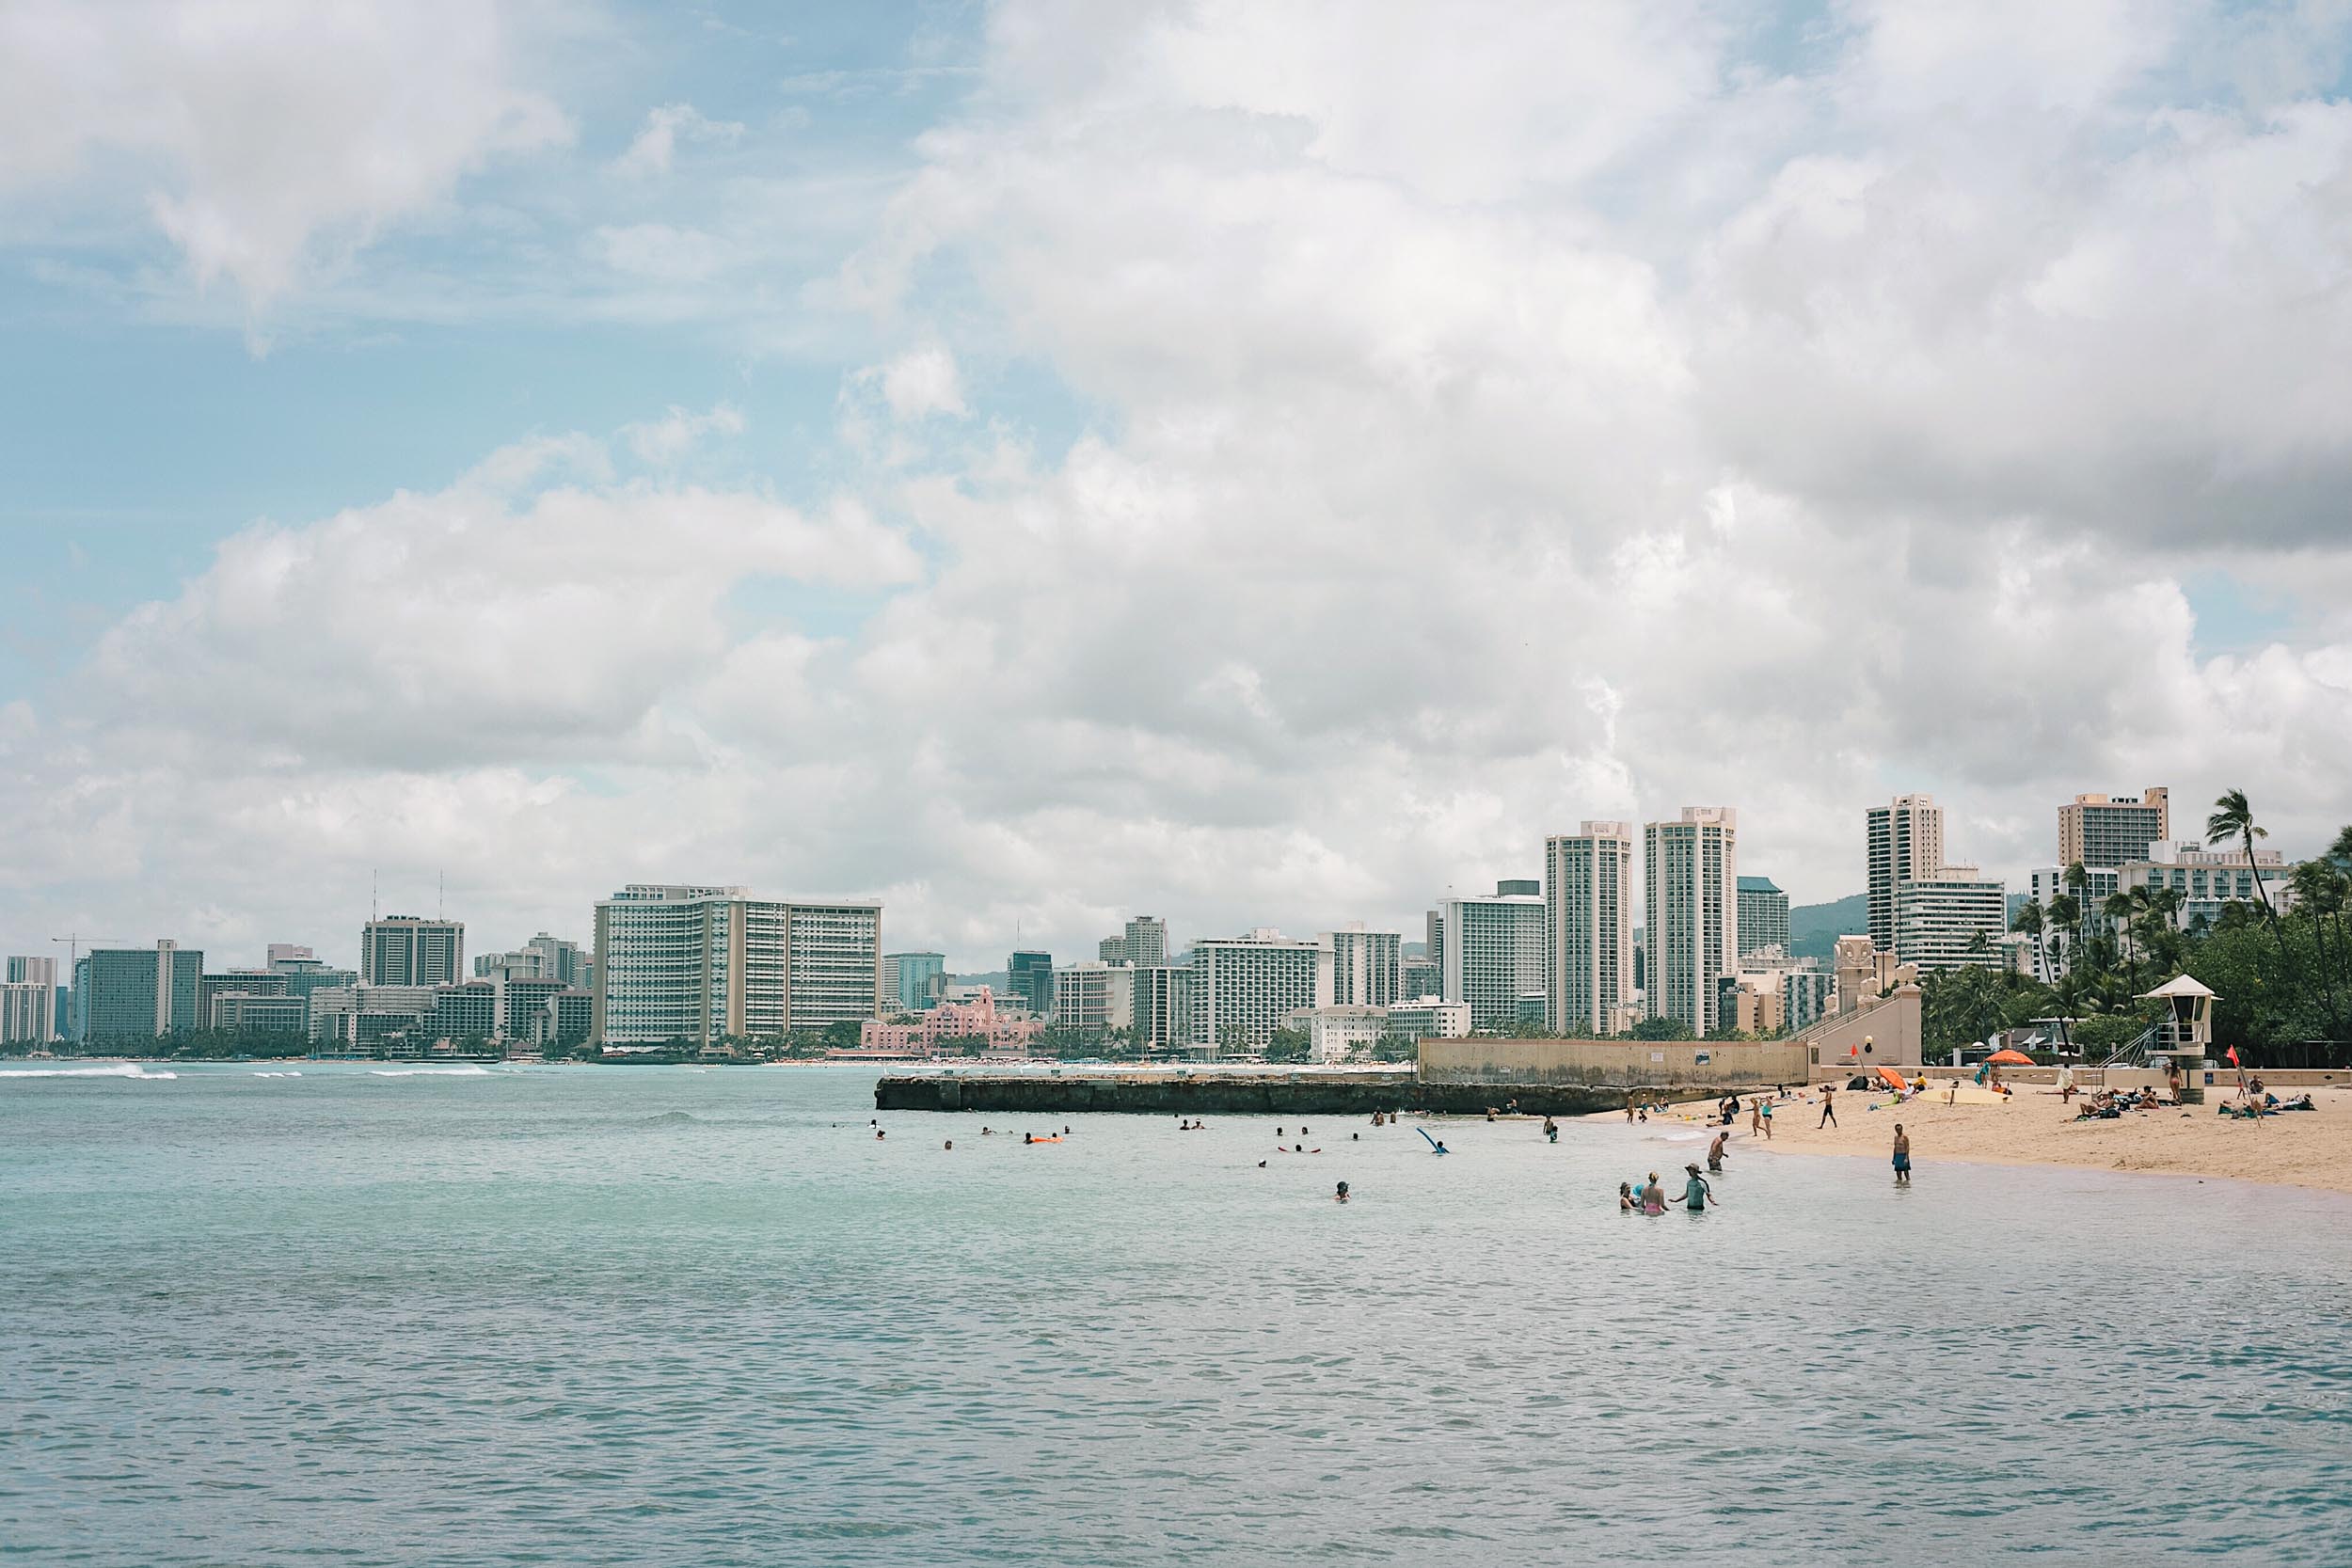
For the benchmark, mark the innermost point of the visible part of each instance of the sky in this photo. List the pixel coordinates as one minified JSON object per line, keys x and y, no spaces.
{"x":1035,"y":463}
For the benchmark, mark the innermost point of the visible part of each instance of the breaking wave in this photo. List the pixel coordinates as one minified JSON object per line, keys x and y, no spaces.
{"x":112,"y":1069}
{"x":429,"y":1073}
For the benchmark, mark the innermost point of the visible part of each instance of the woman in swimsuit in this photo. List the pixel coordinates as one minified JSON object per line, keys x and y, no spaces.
{"x":1653,"y":1196}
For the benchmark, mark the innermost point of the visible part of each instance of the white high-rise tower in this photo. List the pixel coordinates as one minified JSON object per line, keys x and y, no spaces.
{"x":1588,"y":927}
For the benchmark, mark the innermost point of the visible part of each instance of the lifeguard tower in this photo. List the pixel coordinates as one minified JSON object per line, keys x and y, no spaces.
{"x":2186,"y":1035}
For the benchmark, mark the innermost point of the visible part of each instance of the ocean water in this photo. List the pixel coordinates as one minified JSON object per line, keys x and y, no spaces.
{"x":323,"y":1314}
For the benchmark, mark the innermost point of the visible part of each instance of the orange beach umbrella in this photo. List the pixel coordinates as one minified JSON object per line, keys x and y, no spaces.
{"x":1893,"y":1077}
{"x":2010,"y":1059}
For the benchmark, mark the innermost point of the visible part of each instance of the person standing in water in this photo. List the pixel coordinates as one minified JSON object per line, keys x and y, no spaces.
{"x":1340,"y":1196}
{"x":1902,"y":1156}
{"x":1829,"y":1107}
{"x":1697,"y":1194}
{"x":1625,"y":1197}
{"x":1653,"y":1196}
{"x":1715,"y":1153}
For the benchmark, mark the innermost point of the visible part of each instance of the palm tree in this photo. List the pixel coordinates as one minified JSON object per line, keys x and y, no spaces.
{"x":2319,"y":893}
{"x":2030,"y":924}
{"x":2233,"y":818}
{"x":2066,"y":919}
{"x":2119,"y":909}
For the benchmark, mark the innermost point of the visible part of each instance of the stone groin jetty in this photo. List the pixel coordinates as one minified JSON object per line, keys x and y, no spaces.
{"x":1275,"y":1093}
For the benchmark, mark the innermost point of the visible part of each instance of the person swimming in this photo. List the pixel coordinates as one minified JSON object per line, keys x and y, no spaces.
{"x":1340,"y":1195}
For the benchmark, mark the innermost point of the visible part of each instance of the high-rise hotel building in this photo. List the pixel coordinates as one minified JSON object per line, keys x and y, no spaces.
{"x":1588,"y":927}
{"x":404,"y":950}
{"x":695,"y":963}
{"x":1492,"y":950}
{"x":1242,"y":987}
{"x":1906,"y":842}
{"x":1366,"y":966}
{"x":1691,"y":883}
{"x":2104,"y":831}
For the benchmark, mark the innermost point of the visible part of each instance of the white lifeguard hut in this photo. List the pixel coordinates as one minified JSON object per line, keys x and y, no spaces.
{"x":2186,"y":1035}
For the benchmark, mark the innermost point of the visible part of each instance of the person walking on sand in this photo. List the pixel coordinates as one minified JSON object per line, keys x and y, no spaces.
{"x":1629,"y":1106}
{"x":1755,"y":1117}
{"x":1902,"y":1156}
{"x":1829,"y":1107}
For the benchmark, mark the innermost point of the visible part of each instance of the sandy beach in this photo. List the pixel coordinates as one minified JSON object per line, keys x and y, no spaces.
{"x":2300,"y":1149}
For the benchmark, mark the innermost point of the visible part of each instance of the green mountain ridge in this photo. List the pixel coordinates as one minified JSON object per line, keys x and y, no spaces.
{"x":1814,"y":929}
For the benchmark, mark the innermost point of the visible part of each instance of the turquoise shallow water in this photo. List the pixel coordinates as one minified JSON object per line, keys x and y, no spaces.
{"x":661,"y":1316}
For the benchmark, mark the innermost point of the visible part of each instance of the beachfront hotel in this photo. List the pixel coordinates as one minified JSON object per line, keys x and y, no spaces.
{"x":1366,"y":966}
{"x":1692,"y":874}
{"x":2112,"y":830}
{"x":1492,"y":950}
{"x":124,"y":993}
{"x":1953,"y":919}
{"x":407,"y":950}
{"x":1763,"y":920}
{"x":696,"y":963}
{"x":1095,"y":997}
{"x":1906,"y":840}
{"x":1588,"y":927}
{"x":1242,"y":986}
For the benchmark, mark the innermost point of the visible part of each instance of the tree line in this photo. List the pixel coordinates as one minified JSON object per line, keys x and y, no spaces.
{"x":2283,"y":977}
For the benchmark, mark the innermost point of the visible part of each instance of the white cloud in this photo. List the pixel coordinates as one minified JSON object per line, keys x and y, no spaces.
{"x":662,"y":442}
{"x":272,"y":137}
{"x":1461,"y":457}
{"x":920,"y":381}
{"x":656,"y":146}
{"x":507,"y":617}
{"x":661,"y":252}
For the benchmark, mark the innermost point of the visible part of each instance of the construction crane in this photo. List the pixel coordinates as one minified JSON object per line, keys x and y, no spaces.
{"x":73,"y":941}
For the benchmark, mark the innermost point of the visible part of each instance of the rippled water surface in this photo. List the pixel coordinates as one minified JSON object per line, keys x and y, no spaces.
{"x":661,"y":1316}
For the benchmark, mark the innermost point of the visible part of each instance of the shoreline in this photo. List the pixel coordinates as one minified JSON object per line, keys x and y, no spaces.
{"x":2309,"y":1149}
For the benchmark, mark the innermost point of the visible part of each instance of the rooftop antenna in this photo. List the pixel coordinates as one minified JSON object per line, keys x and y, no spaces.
{"x":375,"y":911}
{"x":440,"y":896}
